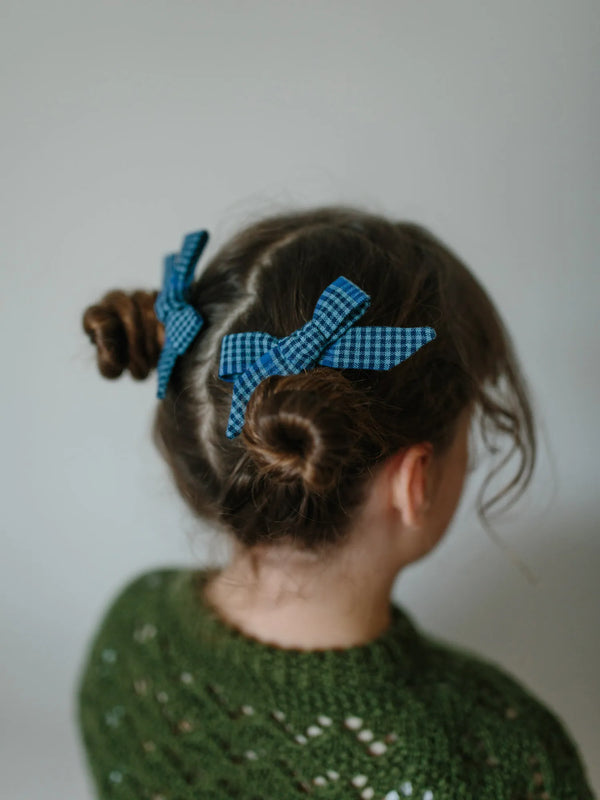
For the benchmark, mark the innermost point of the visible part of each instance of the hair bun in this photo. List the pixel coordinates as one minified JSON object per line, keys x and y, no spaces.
{"x":127,"y":333}
{"x":305,"y":427}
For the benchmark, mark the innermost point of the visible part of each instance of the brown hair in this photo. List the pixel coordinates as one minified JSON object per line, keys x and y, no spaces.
{"x":311,"y":442}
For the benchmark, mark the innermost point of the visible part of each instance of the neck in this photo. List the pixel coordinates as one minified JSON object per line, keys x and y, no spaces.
{"x":298,"y":600}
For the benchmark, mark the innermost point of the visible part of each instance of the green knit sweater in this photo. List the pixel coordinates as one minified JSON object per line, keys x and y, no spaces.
{"x":174,"y":703}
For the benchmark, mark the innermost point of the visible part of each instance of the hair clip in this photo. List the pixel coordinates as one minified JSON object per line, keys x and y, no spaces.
{"x":181,"y":320}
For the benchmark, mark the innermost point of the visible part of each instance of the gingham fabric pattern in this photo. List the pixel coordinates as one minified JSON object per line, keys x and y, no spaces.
{"x":181,"y":320}
{"x":328,"y":339}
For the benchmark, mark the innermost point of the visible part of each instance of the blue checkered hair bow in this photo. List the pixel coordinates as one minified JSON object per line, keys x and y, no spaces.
{"x":181,"y":320}
{"x":329,"y":339}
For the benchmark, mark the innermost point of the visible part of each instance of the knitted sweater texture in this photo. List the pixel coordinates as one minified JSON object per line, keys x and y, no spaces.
{"x":174,"y":703}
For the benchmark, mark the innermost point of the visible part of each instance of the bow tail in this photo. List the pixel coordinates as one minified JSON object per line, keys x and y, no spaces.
{"x":239,"y":400}
{"x":244,"y":384}
{"x":166,"y":362}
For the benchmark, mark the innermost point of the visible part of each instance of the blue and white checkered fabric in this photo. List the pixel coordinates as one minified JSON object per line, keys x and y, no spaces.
{"x":181,"y":320}
{"x":329,"y":339}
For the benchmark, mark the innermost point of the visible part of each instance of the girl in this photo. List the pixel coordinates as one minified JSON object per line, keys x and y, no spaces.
{"x":317,"y":387}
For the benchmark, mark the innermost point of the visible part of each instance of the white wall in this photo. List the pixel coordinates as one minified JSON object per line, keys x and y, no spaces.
{"x":127,"y":124}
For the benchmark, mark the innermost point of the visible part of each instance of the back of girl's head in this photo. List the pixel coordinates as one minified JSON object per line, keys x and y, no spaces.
{"x":311,"y":443}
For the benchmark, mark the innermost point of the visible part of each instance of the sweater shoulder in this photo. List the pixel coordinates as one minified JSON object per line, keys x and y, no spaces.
{"x":480,"y":678}
{"x":143,"y":588}
{"x":499,"y":719}
{"x":129,"y":617}
{"x":142,"y":585}
{"x":485,"y":688}
{"x":122,"y":659}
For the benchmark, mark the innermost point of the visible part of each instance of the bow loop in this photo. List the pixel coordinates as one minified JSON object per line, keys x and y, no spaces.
{"x":338,"y":307}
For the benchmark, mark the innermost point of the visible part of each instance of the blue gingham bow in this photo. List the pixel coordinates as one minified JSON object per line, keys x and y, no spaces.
{"x":181,"y":320}
{"x":329,"y":339}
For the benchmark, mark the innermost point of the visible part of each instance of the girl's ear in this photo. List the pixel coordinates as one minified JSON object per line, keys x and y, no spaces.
{"x":411,"y":480}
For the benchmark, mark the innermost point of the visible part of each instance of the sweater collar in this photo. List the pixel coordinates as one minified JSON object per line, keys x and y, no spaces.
{"x":217,"y":642}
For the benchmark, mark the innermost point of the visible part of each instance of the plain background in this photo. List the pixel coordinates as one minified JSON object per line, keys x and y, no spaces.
{"x":126,"y":125}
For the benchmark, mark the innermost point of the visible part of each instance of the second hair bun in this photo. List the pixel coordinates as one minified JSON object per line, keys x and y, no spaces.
{"x":126,"y":332}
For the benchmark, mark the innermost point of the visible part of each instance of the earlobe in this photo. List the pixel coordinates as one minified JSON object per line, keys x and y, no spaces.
{"x":410,"y":484}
